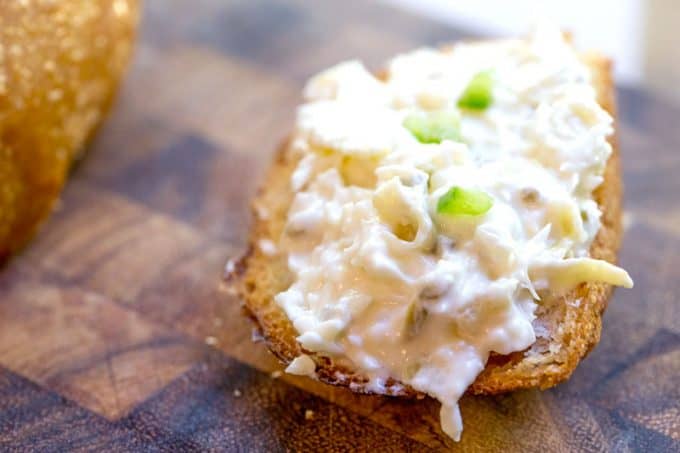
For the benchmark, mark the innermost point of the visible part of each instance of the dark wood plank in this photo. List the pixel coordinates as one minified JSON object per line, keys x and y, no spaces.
{"x":220,"y":405}
{"x":84,"y":347}
{"x":34,"y":419}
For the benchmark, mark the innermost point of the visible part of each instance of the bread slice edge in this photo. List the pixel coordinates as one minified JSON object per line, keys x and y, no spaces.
{"x":573,"y":321}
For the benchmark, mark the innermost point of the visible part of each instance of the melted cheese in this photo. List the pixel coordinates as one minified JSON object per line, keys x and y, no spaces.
{"x":404,"y":292}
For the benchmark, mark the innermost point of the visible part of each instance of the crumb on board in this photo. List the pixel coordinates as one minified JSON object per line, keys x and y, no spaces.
{"x":256,"y":336}
{"x":230,"y":267}
{"x":237,"y":393}
{"x":276,"y":374}
{"x":309,"y":414}
{"x":211,"y":341}
{"x":627,"y":219}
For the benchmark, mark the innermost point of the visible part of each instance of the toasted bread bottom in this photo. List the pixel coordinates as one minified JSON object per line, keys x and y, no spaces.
{"x":572,"y":323}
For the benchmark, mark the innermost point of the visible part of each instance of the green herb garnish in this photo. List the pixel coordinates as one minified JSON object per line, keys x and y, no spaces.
{"x":434,"y":127}
{"x":414,"y":320}
{"x":459,"y":201}
{"x":478,"y":94}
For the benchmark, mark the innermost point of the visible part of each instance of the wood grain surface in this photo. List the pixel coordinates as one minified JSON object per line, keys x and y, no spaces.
{"x":115,"y":332}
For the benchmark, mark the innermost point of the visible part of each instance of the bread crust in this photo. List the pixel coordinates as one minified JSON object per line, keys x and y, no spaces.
{"x":573,"y":321}
{"x":59,"y":65}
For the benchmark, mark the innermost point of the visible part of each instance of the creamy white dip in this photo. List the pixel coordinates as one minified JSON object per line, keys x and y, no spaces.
{"x":403,"y":291}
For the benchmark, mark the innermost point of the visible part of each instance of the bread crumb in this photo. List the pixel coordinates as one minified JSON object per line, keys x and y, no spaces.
{"x":211,"y":341}
{"x":230,"y":267}
{"x":309,"y":414}
{"x":276,"y":374}
{"x":217,"y":322}
{"x":268,"y":247}
{"x":256,"y":335}
{"x":627,"y":220}
{"x":237,"y":393}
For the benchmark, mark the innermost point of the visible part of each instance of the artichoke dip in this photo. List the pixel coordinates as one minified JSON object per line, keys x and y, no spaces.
{"x":434,"y":207}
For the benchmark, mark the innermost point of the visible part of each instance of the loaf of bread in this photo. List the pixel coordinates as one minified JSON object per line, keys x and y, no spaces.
{"x":60,"y":63}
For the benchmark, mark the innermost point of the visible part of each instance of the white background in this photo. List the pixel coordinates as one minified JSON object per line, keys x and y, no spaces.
{"x":615,"y":27}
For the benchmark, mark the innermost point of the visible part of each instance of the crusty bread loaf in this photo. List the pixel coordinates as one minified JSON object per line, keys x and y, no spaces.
{"x":59,"y":65}
{"x":567,"y":327}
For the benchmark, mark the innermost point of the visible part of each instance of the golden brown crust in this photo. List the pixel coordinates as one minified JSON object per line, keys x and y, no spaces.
{"x":574,"y":321}
{"x":577,"y":328}
{"x":59,"y":65}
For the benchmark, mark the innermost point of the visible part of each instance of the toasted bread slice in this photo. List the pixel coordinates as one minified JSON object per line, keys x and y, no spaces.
{"x":567,"y":328}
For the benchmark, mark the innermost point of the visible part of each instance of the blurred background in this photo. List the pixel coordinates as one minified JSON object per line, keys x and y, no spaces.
{"x":641,"y":35}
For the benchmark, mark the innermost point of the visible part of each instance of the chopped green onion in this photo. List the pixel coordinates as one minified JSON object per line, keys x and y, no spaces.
{"x":434,"y":127}
{"x":459,"y":201}
{"x":415,"y":318}
{"x":478,"y":94}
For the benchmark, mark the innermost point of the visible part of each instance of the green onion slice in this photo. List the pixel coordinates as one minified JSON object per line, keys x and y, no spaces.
{"x":478,"y":94}
{"x":434,"y":127}
{"x":460,"y":201}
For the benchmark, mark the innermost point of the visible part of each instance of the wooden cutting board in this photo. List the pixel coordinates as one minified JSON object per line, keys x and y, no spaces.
{"x":115,"y":332}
